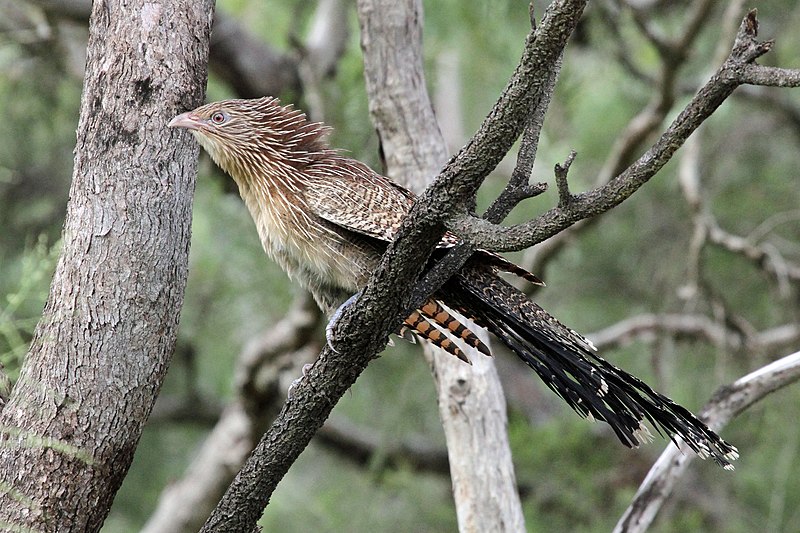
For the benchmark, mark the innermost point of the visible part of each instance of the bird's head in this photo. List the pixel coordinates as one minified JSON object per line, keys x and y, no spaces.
{"x":244,"y":135}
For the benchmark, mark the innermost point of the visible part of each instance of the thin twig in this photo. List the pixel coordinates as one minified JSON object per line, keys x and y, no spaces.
{"x":736,"y":70}
{"x":561,"y":171}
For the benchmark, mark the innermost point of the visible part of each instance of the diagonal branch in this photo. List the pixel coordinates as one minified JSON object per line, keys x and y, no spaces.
{"x":364,"y":326}
{"x":726,"y":404}
{"x":738,"y":69}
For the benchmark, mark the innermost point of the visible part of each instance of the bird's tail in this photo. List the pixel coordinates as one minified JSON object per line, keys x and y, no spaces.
{"x":568,"y":365}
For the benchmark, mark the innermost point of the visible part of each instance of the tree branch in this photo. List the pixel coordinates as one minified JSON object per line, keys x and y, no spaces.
{"x":691,"y":326}
{"x":358,"y":444}
{"x":251,"y":67}
{"x":727,"y":403}
{"x":263,"y":371}
{"x":470,"y":398}
{"x":640,"y":127}
{"x":736,"y":70}
{"x":364,"y":326}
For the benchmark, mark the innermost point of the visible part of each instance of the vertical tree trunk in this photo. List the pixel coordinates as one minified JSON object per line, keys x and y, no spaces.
{"x":471,"y":401}
{"x":100,"y":352}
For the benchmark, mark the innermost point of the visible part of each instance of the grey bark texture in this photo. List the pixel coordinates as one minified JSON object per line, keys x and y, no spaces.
{"x":472,"y":406}
{"x":102,"y":347}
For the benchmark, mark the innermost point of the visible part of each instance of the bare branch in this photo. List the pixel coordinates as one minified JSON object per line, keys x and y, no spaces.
{"x":247,"y":64}
{"x":736,"y":70}
{"x":726,"y":403}
{"x":708,"y":231}
{"x":358,"y":444}
{"x":769,"y":76}
{"x":691,"y":326}
{"x":642,"y":126}
{"x":250,"y":66}
{"x":264,"y":369}
{"x":561,"y":171}
{"x":319,"y":55}
{"x":764,"y":256}
{"x":518,"y":187}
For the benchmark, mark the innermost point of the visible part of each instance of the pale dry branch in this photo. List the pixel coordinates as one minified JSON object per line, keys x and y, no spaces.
{"x":321,"y":52}
{"x":692,"y":327}
{"x":364,"y":326}
{"x":707,"y":231}
{"x":263,"y":372}
{"x":726,"y":404}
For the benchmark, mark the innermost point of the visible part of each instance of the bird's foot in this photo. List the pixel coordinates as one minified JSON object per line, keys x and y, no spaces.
{"x":303,"y":372}
{"x":329,"y":333}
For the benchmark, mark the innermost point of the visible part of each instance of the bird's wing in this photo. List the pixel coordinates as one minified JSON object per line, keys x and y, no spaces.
{"x":354,"y":197}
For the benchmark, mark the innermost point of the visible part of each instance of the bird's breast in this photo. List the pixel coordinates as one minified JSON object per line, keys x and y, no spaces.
{"x":310,"y":251}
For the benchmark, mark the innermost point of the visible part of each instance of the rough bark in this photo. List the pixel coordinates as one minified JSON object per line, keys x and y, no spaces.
{"x":102,"y":347}
{"x":472,"y":406}
{"x":249,"y":66}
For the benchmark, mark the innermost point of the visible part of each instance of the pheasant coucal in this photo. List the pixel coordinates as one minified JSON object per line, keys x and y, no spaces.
{"x":327,"y":219}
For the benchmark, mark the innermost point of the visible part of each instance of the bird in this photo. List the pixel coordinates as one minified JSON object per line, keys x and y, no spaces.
{"x":327,"y":218}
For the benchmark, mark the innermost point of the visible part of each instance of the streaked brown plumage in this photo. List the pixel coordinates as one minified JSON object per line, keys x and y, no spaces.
{"x":327,"y":219}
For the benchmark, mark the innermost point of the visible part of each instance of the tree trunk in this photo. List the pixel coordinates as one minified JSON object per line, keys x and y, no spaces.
{"x":471,"y":402}
{"x":102,"y":347}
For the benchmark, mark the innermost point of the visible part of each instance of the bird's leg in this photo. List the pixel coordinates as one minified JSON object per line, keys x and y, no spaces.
{"x":335,"y":318}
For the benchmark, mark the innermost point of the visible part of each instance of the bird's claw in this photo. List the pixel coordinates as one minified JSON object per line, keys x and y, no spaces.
{"x":329,"y":335}
{"x":329,"y":329}
{"x":303,"y":372}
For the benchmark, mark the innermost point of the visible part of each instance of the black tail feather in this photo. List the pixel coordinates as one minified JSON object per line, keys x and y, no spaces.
{"x":568,"y":365}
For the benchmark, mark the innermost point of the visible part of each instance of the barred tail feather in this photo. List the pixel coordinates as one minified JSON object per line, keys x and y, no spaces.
{"x":568,"y":365}
{"x":417,"y":323}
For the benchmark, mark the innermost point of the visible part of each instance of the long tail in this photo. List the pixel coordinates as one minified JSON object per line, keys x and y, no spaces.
{"x":568,"y":364}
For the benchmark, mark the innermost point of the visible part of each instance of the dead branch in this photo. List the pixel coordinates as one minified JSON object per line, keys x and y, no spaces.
{"x":250,"y":66}
{"x":263,"y":372}
{"x":692,"y":327}
{"x":726,"y":403}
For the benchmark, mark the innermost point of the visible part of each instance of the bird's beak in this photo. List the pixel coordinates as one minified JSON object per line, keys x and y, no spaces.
{"x":188,"y":120}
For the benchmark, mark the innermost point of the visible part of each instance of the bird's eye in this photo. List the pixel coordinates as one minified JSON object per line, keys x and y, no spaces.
{"x":219,"y":117}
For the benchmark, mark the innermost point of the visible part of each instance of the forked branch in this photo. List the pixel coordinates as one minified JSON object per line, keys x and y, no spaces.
{"x":363,"y":328}
{"x":738,"y":69}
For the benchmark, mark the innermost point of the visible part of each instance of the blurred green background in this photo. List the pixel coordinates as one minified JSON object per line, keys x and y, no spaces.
{"x":574,"y":476}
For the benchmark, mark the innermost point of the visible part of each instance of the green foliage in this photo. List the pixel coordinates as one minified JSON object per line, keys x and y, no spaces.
{"x":23,"y":285}
{"x":336,"y":496}
{"x":40,"y":111}
{"x":233,"y":290}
